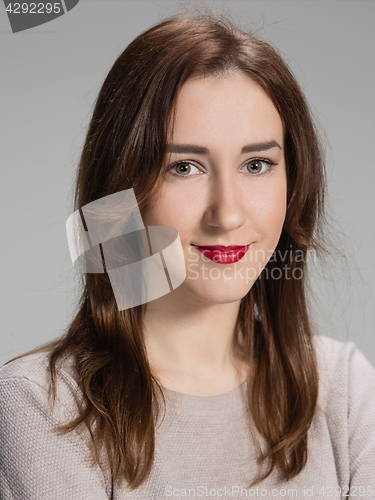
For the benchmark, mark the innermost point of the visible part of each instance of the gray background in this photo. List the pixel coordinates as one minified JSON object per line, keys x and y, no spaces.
{"x":50,"y":76}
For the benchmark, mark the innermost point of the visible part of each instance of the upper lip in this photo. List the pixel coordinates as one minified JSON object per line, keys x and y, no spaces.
{"x":221,"y":248}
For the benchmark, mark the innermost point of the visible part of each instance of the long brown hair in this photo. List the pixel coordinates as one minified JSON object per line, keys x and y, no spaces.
{"x":125,"y":148}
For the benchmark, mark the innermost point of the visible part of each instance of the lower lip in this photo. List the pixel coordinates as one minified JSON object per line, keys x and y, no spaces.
{"x":229,"y":257}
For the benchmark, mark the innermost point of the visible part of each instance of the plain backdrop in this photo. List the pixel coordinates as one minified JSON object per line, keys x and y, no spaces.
{"x":49,"y":78}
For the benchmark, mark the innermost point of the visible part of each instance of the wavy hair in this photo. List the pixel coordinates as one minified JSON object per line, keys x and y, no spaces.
{"x":125,"y":147}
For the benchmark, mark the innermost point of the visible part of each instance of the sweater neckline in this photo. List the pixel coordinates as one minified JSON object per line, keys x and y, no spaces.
{"x":229,"y":402}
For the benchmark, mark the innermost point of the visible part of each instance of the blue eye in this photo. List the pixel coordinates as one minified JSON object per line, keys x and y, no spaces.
{"x":259,"y":166}
{"x":183,"y":168}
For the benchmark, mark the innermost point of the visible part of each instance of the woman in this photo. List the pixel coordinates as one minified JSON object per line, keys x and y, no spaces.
{"x":219,"y":387}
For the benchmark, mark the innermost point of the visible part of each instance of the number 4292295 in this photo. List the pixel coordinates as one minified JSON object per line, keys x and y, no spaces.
{"x":34,"y":8}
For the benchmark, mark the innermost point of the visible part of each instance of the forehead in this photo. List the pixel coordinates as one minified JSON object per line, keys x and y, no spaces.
{"x":234,"y":107}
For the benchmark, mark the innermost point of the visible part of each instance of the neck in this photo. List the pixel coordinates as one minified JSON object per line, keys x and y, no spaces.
{"x":189,"y":345}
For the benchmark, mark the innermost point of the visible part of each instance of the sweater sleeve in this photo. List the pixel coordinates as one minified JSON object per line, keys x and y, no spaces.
{"x":361,"y":423}
{"x":37,"y":463}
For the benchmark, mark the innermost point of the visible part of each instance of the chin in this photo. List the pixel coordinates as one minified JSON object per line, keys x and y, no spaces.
{"x":217,"y":292}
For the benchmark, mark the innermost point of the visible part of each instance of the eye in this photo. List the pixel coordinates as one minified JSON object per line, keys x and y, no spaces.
{"x":183,"y":169}
{"x":259,"y":166}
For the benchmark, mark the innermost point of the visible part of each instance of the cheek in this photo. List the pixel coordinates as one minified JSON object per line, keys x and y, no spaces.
{"x":269,"y":210}
{"x":170,"y":209}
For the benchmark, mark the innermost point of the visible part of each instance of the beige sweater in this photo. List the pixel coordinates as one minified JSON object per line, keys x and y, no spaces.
{"x":203,"y":447}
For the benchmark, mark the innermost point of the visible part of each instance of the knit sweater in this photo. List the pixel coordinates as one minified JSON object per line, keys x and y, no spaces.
{"x":204,"y":446}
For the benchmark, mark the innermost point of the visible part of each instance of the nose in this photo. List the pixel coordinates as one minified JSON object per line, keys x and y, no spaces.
{"x":225,"y":208}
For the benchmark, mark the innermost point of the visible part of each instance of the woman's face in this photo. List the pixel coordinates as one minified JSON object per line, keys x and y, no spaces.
{"x":223,"y":184}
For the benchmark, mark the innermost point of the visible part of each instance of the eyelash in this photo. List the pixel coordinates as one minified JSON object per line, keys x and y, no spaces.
{"x":270,"y":164}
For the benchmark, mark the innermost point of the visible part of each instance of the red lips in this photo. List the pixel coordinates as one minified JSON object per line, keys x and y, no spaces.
{"x":223,"y":255}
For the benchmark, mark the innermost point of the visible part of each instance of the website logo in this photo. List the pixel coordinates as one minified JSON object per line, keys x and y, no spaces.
{"x":143,"y":263}
{"x":28,"y":14}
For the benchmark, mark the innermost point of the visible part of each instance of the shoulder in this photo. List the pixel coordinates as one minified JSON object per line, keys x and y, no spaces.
{"x":347,"y":401}
{"x":343,"y":370}
{"x":347,"y":389}
{"x":35,"y":368}
{"x":30,"y":375}
{"x":37,"y":460}
{"x":342,"y":362}
{"x":330,"y":348}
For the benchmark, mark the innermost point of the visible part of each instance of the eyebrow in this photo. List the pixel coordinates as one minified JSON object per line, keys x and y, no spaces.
{"x":200,"y":150}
